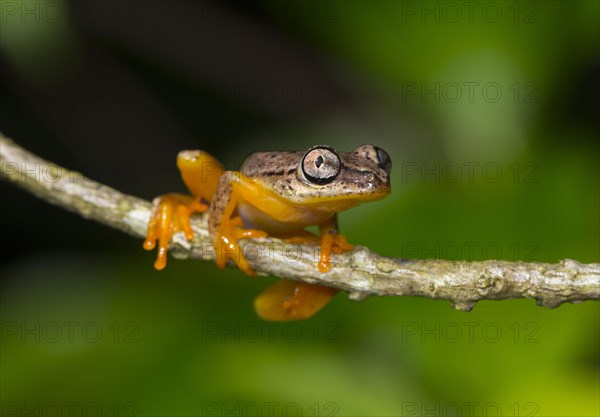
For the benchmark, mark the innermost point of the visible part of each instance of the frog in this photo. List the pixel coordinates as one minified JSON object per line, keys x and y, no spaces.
{"x":278,"y":194}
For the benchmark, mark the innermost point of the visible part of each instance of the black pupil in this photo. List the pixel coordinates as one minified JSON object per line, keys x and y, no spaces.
{"x":319,"y":161}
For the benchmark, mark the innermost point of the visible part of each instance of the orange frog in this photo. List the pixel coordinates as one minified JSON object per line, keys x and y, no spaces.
{"x":277,"y":194}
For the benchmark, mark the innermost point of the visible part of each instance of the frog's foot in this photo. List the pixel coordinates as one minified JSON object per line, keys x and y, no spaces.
{"x":227,"y":246}
{"x":331,"y":243}
{"x":170,"y":214}
{"x":292,"y":300}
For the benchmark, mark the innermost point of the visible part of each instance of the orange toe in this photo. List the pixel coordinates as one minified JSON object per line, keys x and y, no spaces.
{"x":331,"y":243}
{"x":170,"y":214}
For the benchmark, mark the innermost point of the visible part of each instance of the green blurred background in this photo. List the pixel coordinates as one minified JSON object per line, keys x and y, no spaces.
{"x":488,"y":110}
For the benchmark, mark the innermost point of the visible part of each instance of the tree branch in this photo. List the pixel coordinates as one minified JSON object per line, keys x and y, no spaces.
{"x":360,"y":272}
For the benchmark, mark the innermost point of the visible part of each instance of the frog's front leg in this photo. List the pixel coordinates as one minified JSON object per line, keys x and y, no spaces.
{"x":332,"y":241}
{"x":171,"y":212}
{"x":224,"y":226}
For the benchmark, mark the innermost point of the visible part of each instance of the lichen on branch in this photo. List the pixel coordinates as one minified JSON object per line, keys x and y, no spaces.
{"x":360,"y":272}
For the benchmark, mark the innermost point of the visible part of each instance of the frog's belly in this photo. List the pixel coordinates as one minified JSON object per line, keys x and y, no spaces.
{"x":255,"y":218}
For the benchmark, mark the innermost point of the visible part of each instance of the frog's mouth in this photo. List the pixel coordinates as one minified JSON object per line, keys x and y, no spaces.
{"x":345,"y":200}
{"x":370,"y":196}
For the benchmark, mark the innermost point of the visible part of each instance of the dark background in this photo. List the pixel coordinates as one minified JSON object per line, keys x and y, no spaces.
{"x":488,"y":110}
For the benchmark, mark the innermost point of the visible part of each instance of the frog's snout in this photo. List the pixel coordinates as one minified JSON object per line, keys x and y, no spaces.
{"x":378,"y":183}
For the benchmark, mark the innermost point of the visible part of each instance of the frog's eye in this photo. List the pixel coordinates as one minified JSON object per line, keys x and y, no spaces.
{"x":383,"y":160}
{"x":320,"y":165}
{"x":375,"y":154}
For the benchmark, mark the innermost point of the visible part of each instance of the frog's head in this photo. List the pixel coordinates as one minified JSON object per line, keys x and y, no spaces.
{"x":363,"y":174}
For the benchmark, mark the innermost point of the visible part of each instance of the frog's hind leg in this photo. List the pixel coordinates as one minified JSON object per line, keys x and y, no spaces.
{"x":171,"y":212}
{"x":200,"y":172}
{"x":295,"y":300}
{"x":292,"y":300}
